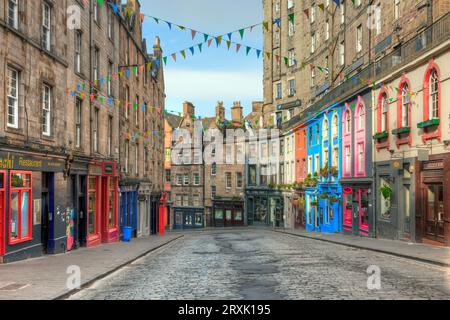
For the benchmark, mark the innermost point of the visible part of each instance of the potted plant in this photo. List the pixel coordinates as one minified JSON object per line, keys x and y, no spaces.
{"x":386,"y":191}
{"x":334,"y":171}
{"x":325,"y":172}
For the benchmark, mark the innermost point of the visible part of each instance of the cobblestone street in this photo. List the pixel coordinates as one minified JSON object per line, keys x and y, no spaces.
{"x":259,"y":264}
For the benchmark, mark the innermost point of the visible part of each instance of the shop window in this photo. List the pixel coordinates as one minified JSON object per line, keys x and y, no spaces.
{"x":364,"y":209}
{"x":178,"y":218}
{"x":228,"y":215}
{"x":2,"y":211}
{"x":20,"y":214}
{"x":326,"y":213}
{"x":238,"y":215}
{"x":199,"y":219}
{"x":92,"y":214}
{"x":112,"y":199}
{"x":219,"y":214}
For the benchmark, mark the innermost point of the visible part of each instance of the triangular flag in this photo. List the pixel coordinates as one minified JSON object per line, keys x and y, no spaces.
{"x":248,"y":50}
{"x":193,"y":33}
{"x":165,"y":60}
{"x":219,"y":40}
{"x":174,"y":57}
{"x":241,"y":32}
{"x":200,"y":47}
{"x":228,"y":44}
{"x":209,"y":42}
{"x":192,"y":50}
{"x":238,"y":47}
{"x":266,"y":26}
{"x":183,"y":53}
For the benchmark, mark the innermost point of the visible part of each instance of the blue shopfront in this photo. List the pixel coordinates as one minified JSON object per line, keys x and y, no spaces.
{"x":128,"y":208}
{"x":323,"y":191}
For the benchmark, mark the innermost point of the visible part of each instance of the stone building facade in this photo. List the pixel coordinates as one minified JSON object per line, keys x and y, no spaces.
{"x":62,"y":127}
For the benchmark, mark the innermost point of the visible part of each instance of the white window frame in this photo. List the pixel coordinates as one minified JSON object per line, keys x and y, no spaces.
{"x":13,"y":84}
{"x":46,"y":26}
{"x":13,"y":14}
{"x":46,"y":110}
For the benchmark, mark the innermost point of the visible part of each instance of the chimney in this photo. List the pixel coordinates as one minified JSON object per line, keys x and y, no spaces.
{"x":188,"y":110}
{"x":220,"y":111}
{"x":237,"y":112}
{"x":157,"y":47}
{"x":257,"y":106}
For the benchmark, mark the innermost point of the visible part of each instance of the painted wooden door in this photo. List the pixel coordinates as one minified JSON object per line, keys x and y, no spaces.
{"x":348,"y":210}
{"x":2,"y":213}
{"x":434,"y":224}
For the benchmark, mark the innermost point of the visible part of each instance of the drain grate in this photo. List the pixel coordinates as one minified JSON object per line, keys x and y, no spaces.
{"x":13,"y":287}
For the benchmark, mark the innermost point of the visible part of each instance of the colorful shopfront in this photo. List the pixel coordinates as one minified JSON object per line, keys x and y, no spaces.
{"x":33,"y":217}
{"x":323,"y":191}
{"x":129,"y":207}
{"x":102,"y":204}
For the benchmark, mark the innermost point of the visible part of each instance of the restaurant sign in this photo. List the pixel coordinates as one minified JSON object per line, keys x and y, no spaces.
{"x":14,"y":161}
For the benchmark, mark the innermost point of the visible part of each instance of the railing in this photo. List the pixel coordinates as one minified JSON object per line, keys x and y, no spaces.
{"x":435,"y":34}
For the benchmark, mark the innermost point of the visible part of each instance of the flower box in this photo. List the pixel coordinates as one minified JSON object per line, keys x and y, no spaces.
{"x":381,"y":135}
{"x":404,"y":130}
{"x":428,"y":123}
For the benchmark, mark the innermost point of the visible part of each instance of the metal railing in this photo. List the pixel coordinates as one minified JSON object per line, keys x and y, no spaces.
{"x":433,"y":35}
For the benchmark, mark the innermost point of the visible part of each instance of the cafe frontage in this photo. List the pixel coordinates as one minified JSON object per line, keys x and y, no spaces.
{"x":34,"y":218}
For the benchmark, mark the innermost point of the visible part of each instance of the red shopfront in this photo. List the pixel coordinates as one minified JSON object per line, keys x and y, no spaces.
{"x":102,"y":204}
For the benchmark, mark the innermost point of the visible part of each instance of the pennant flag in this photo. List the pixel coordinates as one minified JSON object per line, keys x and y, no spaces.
{"x":292,"y":17}
{"x":258,"y":53}
{"x":169,"y":24}
{"x":306,"y":11}
{"x":209,"y":42}
{"x":238,"y":47}
{"x":228,"y":44}
{"x":205,"y":36}
{"x":174,"y":57}
{"x":322,"y":6}
{"x":181,"y":28}
{"x":219,"y":41}
{"x":193,"y":34}
{"x":156,"y":20}
{"x":183,"y":53}
{"x":248,"y":50}
{"x":278,"y":22}
{"x":192,"y":50}
{"x":241,"y":32}
{"x":165,"y":60}
{"x":200,"y":46}
{"x":229,"y":36}
{"x":266,"y":26}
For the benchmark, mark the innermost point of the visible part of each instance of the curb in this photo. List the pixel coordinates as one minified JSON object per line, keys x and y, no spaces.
{"x":109,"y":272}
{"x":424,"y":260}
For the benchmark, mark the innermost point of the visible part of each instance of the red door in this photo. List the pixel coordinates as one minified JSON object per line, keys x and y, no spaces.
{"x":2,"y":212}
{"x":348,"y":209}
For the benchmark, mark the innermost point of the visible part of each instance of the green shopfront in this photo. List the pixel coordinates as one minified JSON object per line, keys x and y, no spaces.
{"x":265,"y":207}
{"x":34,"y":219}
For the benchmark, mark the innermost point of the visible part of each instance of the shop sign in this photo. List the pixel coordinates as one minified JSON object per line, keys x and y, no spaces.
{"x":9,"y":161}
{"x":433,"y":165}
{"x":95,"y":170}
{"x":109,"y":169}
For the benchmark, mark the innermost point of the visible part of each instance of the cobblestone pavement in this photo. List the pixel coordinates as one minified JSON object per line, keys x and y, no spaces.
{"x":265,"y":265}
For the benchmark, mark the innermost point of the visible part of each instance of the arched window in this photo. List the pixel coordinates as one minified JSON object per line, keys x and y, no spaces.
{"x":384,"y":112}
{"x":361,"y":117}
{"x":348,"y":119}
{"x":406,"y":101}
{"x":325,"y":129}
{"x":434,"y":95}
{"x":335,"y":126}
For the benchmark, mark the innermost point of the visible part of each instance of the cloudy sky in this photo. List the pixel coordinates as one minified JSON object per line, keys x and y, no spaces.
{"x":216,"y":73}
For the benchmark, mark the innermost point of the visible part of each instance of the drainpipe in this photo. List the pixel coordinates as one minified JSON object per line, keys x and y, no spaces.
{"x":429,"y":12}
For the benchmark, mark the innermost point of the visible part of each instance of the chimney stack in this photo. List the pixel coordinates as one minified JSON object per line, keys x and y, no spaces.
{"x":237,"y":112}
{"x":220,"y":111}
{"x":188,"y":109}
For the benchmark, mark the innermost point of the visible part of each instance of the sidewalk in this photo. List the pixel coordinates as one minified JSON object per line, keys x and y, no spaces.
{"x":415,"y":251}
{"x":45,"y":278}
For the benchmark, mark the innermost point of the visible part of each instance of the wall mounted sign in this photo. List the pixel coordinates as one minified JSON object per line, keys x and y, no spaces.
{"x":14,"y":161}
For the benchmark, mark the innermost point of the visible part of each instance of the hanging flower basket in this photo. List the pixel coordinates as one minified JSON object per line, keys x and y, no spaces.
{"x":386,"y":191}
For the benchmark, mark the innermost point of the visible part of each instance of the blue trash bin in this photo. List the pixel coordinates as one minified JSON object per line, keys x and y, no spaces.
{"x":127,"y":234}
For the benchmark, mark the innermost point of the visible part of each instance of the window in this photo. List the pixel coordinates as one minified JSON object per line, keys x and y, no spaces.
{"x":325,"y":157}
{"x":78,"y":52}
{"x":348,"y":160}
{"x":196,"y":179}
{"x":384,"y":112}
{"x":168,"y":175}
{"x":136,"y":160}
{"x":359,"y":39}
{"x":127,"y":101}
{"x":95,"y":12}
{"x":20,"y":210}
{"x":95,"y":63}
{"x":291,"y":87}
{"x":92,"y":206}
{"x":335,"y":126}
{"x":179,"y":180}
{"x":110,"y":25}
{"x":13,"y":14}
{"x":313,"y":43}
{"x":196,"y":200}
{"x":433,"y":108}
{"x":378,"y":20}
{"x":361,"y":158}
{"x":325,"y":130}
{"x":279,"y":91}
{"x":213,"y":192}
{"x":110,"y":135}
{"x":46,"y":110}
{"x":310,"y":169}
{"x":348,"y":118}
{"x":95,"y":130}
{"x":405,"y":106}
{"x":316,"y":163}
{"x":335,"y":158}
{"x":110,"y":72}
{"x":78,"y":108}
{"x":342,"y":12}
{"x":112,"y":199}
{"x":228,"y":180}
{"x":291,"y":59}
{"x":290,"y":4}
{"x":136,"y":112}
{"x":313,"y":77}
{"x":312,"y":17}
{"x":213,"y":169}
{"x":13,"y":98}
{"x":291,"y":29}
{"x":385,"y":202}
{"x":327,"y":30}
{"x":342,"y":53}
{"x":361,"y":117}
{"x":46,"y":24}
{"x":396,"y":9}
{"x":252,"y":175}
{"x":239,"y":180}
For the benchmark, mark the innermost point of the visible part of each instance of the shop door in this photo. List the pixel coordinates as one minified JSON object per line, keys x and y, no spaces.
{"x":228,"y":218}
{"x":2,"y":213}
{"x":434,"y":224}
{"x":348,"y":210}
{"x":154,"y":217}
{"x":45,"y":207}
{"x":363,"y":207}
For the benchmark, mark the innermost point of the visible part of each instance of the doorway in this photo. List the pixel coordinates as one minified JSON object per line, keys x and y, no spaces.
{"x":2,"y":212}
{"x":434,"y":204}
{"x":47,"y":209}
{"x":79,"y":196}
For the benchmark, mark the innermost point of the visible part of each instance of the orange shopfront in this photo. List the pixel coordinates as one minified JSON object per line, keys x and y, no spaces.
{"x":102,"y":204}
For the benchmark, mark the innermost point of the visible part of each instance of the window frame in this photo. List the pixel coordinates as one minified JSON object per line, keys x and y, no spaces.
{"x":46,"y":111}
{"x":436,"y":134}
{"x":15,"y":71}
{"x":46,"y":26}
{"x":20,"y":191}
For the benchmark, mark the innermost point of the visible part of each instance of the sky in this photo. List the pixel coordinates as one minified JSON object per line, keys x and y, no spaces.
{"x":216,"y":74}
